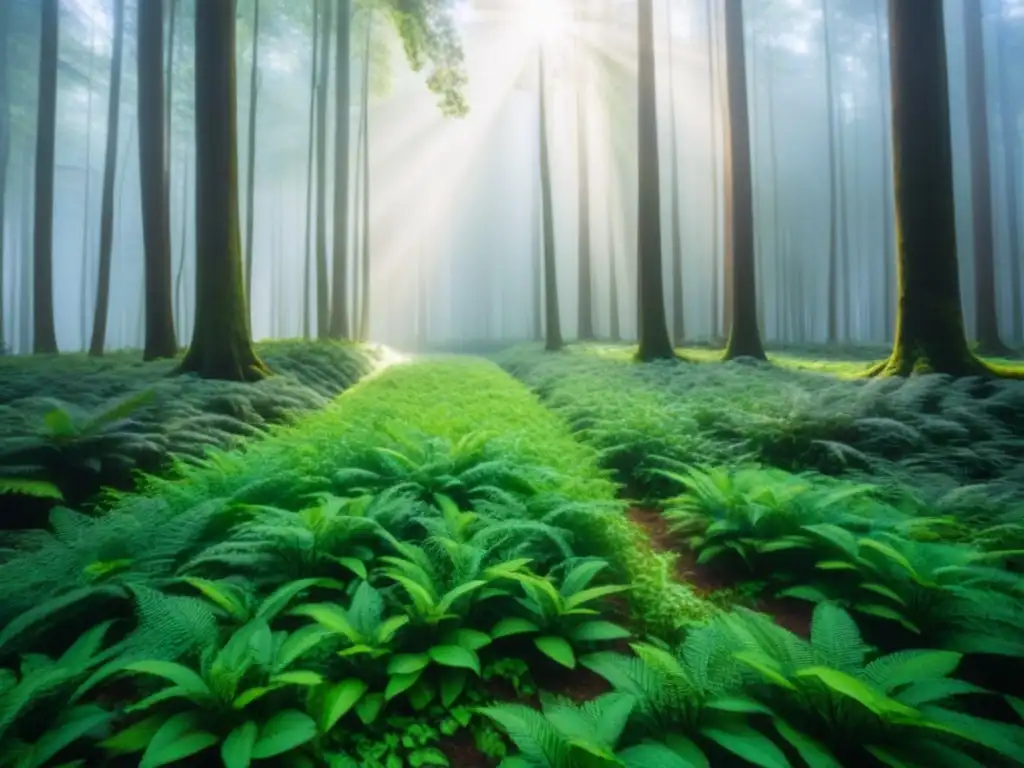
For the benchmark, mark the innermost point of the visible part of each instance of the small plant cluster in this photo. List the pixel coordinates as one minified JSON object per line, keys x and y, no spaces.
{"x":744,"y":691}
{"x":102,"y":421}
{"x":923,"y":438}
{"x":345,"y":592}
{"x":819,"y":539}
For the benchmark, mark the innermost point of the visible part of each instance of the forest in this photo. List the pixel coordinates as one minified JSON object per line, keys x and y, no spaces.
{"x":516,"y":383}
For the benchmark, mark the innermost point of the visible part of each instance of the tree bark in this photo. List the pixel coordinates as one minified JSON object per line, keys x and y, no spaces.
{"x":1009,"y":111}
{"x":537,"y":244}
{"x":552,"y":321}
{"x":221,"y":341}
{"x":929,"y":319}
{"x":585,"y":329}
{"x":102,"y":309}
{"x":654,"y":340}
{"x":614,"y":324}
{"x":744,"y":336}
{"x":832,"y":329}
{"x":250,"y":179}
{"x":160,"y":339}
{"x":986,"y":319}
{"x":886,"y":192}
{"x":44,"y":339}
{"x":83,"y":298}
{"x":364,"y":302}
{"x":323,"y":302}
{"x":712,"y":54}
{"x":308,"y":270}
{"x":340,"y":327}
{"x":179,"y":296}
{"x":5,"y":152}
{"x":678,"y":313}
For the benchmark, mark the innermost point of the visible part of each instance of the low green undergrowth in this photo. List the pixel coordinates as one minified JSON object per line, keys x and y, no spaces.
{"x":329,"y":595}
{"x":73,"y":425}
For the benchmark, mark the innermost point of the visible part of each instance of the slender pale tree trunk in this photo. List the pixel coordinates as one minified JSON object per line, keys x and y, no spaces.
{"x":713,"y":130}
{"x":179,"y":296}
{"x":678,"y":313}
{"x":364,"y":302}
{"x":614,"y":324}
{"x":5,"y":153}
{"x":537,"y":243}
{"x":654,"y":339}
{"x":744,"y":336}
{"x":985,"y":315}
{"x":885,"y":139}
{"x":1009,"y":111}
{"x":308,"y":270}
{"x":340,"y":325}
{"x":83,"y":298}
{"x":323,"y":302}
{"x":552,"y":321}
{"x":832,"y":329}
{"x":221,"y":345}
{"x":160,"y":338}
{"x":44,"y":339}
{"x":102,"y":308}
{"x":250,"y":198}
{"x":585,"y":274}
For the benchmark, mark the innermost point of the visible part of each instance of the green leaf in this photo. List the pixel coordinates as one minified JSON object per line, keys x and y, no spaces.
{"x":513,"y":625}
{"x":765,"y":666}
{"x":354,"y":564}
{"x":175,"y":740}
{"x":453,"y":682}
{"x":302,"y":677}
{"x":739,"y":704}
{"x":72,"y":724}
{"x":454,"y":656}
{"x":884,"y":591}
{"x":400,"y":683}
{"x":427,"y":756}
{"x":222,"y":594}
{"x":339,"y":699}
{"x":598,"y":631}
{"x":37,"y":489}
{"x":686,"y":749}
{"x":591,"y":594}
{"x":835,"y":565}
{"x":852,"y":688}
{"x":885,"y":612}
{"x":369,"y":707}
{"x":236,"y":751}
{"x":557,"y":648}
{"x":652,"y":755}
{"x":810,"y":750}
{"x":893,"y":555}
{"x":330,"y":617}
{"x":408,"y":663}
{"x":804,"y":592}
{"x":178,"y":674}
{"x":747,"y":743}
{"x":470,"y":639}
{"x":285,"y":731}
{"x":135,"y":737}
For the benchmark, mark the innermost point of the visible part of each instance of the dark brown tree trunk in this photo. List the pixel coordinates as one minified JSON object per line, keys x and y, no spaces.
{"x":886,"y":193}
{"x":832,"y":329}
{"x":1009,"y":111}
{"x":221,"y":341}
{"x":5,"y":152}
{"x":678,"y":314}
{"x":307,"y":274}
{"x":323,"y":300}
{"x":929,"y":320}
{"x":340,"y":327}
{"x":744,"y":336}
{"x":985,"y":317}
{"x":364,"y":302}
{"x":102,"y":309}
{"x":552,"y":321}
{"x":654,"y":340}
{"x":250,"y":178}
{"x":160,"y":338}
{"x":44,"y":339}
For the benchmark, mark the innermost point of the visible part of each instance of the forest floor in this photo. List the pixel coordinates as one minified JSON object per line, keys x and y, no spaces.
{"x":377,"y":575}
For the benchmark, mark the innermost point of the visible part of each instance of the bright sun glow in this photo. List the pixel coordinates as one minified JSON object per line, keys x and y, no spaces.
{"x":542,"y":19}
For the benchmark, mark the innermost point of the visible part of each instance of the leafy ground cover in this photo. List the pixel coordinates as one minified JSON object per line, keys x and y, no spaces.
{"x":72,"y":425}
{"x":432,"y":571}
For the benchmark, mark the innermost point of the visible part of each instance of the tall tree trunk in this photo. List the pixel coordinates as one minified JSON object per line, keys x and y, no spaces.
{"x":552,"y":321}
{"x":654,"y":340}
{"x":712,"y":55}
{"x":614,"y":324}
{"x":364,"y":302}
{"x":250,"y":179}
{"x":308,"y":270}
{"x":678,"y":314}
{"x":1009,"y":111}
{"x":585,"y":274}
{"x":340,"y":321}
{"x":172,"y":27}
{"x":832,"y":329}
{"x":929,"y":320}
{"x":44,"y":339}
{"x":537,"y":243}
{"x":886,"y":196}
{"x":843,"y":210}
{"x":323,"y":301}
{"x":26,"y":236}
{"x":179,"y":297}
{"x":5,"y":152}
{"x":160,"y":339}
{"x":986,"y":319}
{"x":744,"y":336}
{"x":773,"y":145}
{"x":102,"y":308}
{"x":83,"y":299}
{"x":221,"y":340}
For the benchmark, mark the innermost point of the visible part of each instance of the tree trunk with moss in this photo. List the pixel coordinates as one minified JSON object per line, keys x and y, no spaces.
{"x":654,"y":339}
{"x":744,"y":335}
{"x":160,"y":340}
{"x":985,"y":317}
{"x":929,"y":318}
{"x":44,"y":340}
{"x":552,"y":322}
{"x":221,"y":341}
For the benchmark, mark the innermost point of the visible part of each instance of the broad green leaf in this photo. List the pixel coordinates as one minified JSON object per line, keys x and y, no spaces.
{"x":864,"y":694}
{"x":597,"y":631}
{"x":513,"y":625}
{"x":470,"y":639}
{"x":339,"y":699}
{"x":455,"y":656}
{"x":765,"y":666}
{"x":557,"y":648}
{"x":135,"y":737}
{"x":303,"y":677}
{"x":652,"y":755}
{"x":400,"y":683}
{"x":176,"y":739}
{"x":407,"y":663}
{"x":285,"y":731}
{"x":427,"y":756}
{"x":747,"y":743}
{"x":810,"y":750}
{"x":453,"y":682}
{"x":236,"y":750}
{"x":178,"y":674}
{"x":369,"y":707}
